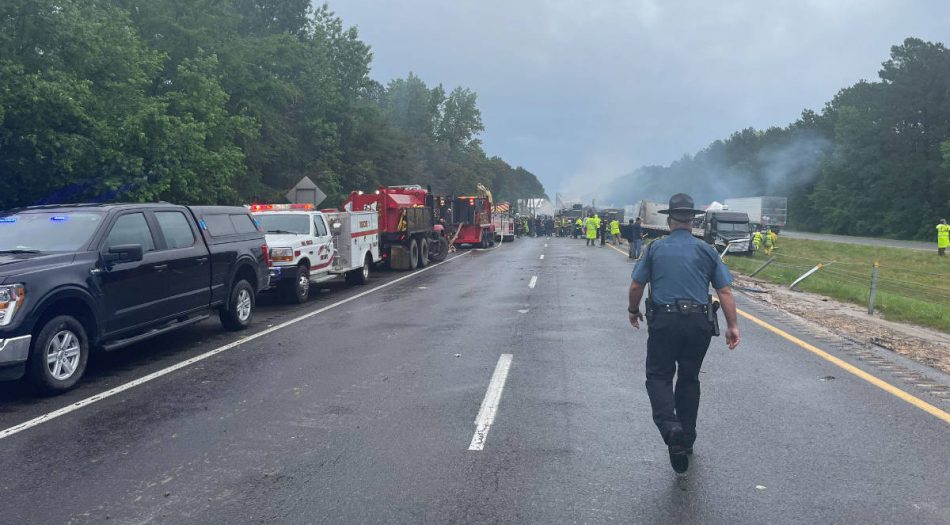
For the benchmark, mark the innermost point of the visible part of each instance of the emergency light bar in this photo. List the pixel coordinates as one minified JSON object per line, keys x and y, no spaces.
{"x":280,"y":207}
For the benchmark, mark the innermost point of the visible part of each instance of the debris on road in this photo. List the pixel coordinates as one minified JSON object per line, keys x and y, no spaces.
{"x":923,"y":345}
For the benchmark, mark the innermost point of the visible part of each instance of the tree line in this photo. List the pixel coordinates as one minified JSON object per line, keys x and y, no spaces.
{"x":874,"y":161}
{"x":219,"y":101}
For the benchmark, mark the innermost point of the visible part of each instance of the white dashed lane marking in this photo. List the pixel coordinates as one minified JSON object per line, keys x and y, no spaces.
{"x":486,"y":414}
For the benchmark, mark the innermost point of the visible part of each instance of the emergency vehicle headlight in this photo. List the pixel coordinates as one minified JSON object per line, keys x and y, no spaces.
{"x":11,"y":299}
{"x":282,"y":254}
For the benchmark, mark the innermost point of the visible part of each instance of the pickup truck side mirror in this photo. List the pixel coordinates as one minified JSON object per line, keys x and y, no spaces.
{"x":122,"y":253}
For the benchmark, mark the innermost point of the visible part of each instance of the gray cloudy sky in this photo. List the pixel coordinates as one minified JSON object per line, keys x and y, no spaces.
{"x":581,"y":92}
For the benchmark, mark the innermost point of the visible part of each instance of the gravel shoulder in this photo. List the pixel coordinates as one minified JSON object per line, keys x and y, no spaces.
{"x":923,"y":345}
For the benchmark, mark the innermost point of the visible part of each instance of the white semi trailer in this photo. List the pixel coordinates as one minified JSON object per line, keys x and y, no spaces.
{"x":763,"y":212}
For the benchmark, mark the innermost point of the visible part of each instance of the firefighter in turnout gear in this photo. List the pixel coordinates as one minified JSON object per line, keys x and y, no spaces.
{"x":682,"y":320}
{"x":757,"y":240}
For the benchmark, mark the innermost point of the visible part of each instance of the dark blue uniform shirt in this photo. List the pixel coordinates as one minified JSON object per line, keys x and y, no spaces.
{"x":681,"y":267}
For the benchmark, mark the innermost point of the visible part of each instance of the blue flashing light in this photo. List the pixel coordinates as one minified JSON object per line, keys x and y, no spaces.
{"x":7,"y":220}
{"x":58,"y":218}
{"x":202,"y":224}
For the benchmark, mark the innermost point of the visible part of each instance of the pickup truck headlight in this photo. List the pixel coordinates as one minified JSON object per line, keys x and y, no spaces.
{"x":11,"y":300}
{"x":282,"y":254}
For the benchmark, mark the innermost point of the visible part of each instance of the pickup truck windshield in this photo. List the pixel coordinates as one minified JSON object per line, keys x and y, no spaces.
{"x":742,"y":227}
{"x":285,"y":223}
{"x":47,"y":231}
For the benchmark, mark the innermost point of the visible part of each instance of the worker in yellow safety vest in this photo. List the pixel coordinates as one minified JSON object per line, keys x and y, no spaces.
{"x":943,"y":237}
{"x":578,"y":227}
{"x":757,"y":240}
{"x":769,"y":239}
{"x":615,"y":231}
{"x":592,"y":225}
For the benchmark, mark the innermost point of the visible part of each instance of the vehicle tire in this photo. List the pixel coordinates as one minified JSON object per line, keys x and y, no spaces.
{"x":438,"y":249}
{"x":58,"y":355}
{"x":423,"y":253}
{"x":298,"y":290}
{"x":240,"y":309}
{"x":413,"y":254}
{"x":361,"y":275}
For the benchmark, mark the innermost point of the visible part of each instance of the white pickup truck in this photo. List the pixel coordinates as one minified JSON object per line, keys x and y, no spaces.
{"x":309,"y":246}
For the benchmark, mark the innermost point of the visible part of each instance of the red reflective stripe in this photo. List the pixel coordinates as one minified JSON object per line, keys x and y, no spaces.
{"x":363,"y":234}
{"x":322,"y":265}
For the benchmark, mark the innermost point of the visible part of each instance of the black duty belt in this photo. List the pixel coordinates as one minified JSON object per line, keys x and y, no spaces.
{"x":693,"y":308}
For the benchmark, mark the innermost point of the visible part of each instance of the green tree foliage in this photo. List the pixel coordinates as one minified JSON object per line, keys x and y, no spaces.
{"x":217,"y":101}
{"x":875,"y":161}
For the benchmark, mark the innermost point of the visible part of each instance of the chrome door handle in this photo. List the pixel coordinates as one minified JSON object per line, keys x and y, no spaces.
{"x":160,"y":267}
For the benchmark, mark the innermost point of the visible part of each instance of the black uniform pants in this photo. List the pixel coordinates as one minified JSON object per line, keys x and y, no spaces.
{"x":676,"y":346}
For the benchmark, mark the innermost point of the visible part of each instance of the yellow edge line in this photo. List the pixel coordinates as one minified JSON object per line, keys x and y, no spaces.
{"x":618,"y":250}
{"x":874,"y":380}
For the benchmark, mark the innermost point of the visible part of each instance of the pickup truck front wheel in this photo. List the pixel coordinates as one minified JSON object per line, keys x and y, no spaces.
{"x":297,"y":291}
{"x":59,"y":355}
{"x":240,"y":307}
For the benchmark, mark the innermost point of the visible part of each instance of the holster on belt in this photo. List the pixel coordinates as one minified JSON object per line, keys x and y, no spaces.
{"x":713,"y":316}
{"x":649,"y":312}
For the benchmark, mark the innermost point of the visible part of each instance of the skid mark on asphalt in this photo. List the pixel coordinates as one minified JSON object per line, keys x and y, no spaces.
{"x":39,"y":420}
{"x":486,"y":414}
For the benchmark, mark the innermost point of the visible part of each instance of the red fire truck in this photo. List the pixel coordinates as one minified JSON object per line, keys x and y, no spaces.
{"x":410,"y":234}
{"x":504,"y":223}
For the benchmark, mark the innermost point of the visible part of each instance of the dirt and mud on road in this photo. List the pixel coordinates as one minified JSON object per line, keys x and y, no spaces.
{"x":923,"y":345}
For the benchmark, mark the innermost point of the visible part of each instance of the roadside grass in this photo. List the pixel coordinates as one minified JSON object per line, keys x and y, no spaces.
{"x":913,"y":285}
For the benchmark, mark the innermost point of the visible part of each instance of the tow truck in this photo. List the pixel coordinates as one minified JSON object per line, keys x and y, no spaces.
{"x":411,"y":234}
{"x":308,"y":246}
{"x":473,"y":219}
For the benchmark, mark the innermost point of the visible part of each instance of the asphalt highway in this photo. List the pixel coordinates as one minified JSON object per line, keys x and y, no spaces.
{"x":498,"y":386}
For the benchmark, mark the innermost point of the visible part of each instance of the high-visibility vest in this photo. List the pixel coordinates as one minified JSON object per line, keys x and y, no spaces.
{"x":615,"y":227}
{"x":591,"y":229}
{"x":596,"y":220}
{"x":579,"y":223}
{"x":943,"y":236}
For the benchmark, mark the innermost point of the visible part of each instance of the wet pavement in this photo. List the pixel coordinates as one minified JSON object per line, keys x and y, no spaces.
{"x":365,"y":411}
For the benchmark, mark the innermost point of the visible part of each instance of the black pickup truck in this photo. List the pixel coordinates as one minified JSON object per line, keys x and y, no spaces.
{"x":81,"y":277}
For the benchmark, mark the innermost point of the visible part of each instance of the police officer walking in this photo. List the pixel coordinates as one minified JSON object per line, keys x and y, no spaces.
{"x":681,"y":321}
